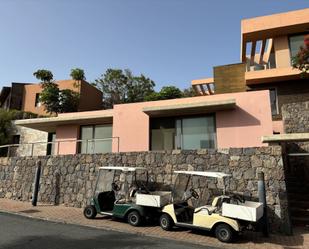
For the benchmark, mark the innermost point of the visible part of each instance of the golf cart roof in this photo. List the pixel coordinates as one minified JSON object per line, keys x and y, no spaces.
{"x":122,"y":168}
{"x":203,"y":173}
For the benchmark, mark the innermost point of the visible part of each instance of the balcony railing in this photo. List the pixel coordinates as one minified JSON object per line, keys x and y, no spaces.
{"x":61,"y":147}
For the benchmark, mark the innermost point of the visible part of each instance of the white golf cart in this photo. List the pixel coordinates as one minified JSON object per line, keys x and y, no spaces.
{"x":226,"y":215}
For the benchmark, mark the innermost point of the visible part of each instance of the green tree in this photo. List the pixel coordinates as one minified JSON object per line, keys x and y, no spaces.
{"x":189,"y":92}
{"x":68,"y":101}
{"x":78,"y":75}
{"x":166,"y":92}
{"x":121,"y":86}
{"x":45,"y":76}
{"x":56,"y":100}
{"x":49,"y":97}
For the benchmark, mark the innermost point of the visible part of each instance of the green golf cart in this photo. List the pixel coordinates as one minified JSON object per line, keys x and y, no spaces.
{"x":118,"y":193}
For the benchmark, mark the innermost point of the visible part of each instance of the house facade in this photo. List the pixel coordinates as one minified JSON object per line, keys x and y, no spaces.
{"x":268,"y":44}
{"x":234,"y":108}
{"x":218,"y":121}
{"x":25,"y":96}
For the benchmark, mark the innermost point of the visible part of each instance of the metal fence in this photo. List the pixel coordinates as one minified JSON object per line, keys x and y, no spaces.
{"x":64,"y":146}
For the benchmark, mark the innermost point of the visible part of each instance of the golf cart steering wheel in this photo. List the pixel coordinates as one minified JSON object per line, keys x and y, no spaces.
{"x":238,"y":198}
{"x":194,"y":194}
{"x":115,"y":187}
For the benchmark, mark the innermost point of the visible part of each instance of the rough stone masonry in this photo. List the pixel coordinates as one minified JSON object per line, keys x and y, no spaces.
{"x":70,"y":179}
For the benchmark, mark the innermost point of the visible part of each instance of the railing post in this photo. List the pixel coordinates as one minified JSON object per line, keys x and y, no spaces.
{"x":58,"y":145}
{"x":32,"y":149}
{"x":8,"y":153}
{"x":118,"y":141}
{"x":93,"y":146}
{"x":262,"y":198}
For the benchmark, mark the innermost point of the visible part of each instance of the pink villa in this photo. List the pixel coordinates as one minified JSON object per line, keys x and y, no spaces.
{"x":216,"y":121}
{"x":234,"y":108}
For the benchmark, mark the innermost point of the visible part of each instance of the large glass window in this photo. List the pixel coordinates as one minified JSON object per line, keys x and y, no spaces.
{"x":187,"y":133}
{"x":296,"y":41}
{"x":96,"y":139}
{"x":197,"y":133}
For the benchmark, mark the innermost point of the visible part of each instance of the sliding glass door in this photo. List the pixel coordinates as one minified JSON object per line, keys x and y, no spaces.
{"x":196,"y":133}
{"x":96,"y":139}
{"x":185,"y":133}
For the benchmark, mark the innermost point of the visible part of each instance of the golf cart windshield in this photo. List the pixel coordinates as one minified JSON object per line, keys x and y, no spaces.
{"x":186,"y":181}
{"x":105,"y":180}
{"x":112,"y":176}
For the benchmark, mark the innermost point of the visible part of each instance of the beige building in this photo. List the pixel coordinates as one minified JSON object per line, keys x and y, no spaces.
{"x":268,"y":44}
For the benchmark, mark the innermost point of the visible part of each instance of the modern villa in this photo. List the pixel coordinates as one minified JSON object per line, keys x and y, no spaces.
{"x":234,"y":108}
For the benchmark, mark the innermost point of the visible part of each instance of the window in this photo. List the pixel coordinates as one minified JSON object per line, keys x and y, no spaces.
{"x":96,"y":139}
{"x":296,"y":42}
{"x":186,"y":133}
{"x":37,"y":100}
{"x":273,"y":101}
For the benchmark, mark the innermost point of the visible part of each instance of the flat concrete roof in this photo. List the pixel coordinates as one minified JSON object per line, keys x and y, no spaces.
{"x":50,"y":124}
{"x":275,"y":24}
{"x":291,"y":137}
{"x":191,"y":108}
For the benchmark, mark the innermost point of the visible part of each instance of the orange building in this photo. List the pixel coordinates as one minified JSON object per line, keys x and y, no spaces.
{"x":268,"y":44}
{"x":25,"y":96}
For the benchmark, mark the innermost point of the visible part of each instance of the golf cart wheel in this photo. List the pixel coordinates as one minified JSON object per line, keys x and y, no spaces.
{"x":134,"y":218}
{"x":90,"y":212}
{"x":224,"y":233}
{"x":166,"y":222}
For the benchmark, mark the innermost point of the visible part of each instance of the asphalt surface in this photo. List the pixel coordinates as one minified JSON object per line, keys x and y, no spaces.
{"x":18,"y":232}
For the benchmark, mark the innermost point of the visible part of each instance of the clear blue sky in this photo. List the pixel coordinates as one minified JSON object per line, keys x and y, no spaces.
{"x":170,"y":41}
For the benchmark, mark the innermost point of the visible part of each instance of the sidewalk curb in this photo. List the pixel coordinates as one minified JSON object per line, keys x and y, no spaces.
{"x":60,"y":221}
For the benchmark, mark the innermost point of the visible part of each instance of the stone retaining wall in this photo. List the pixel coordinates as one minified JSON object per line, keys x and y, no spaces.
{"x":295,"y":117}
{"x":70,"y":179}
{"x":296,"y":120}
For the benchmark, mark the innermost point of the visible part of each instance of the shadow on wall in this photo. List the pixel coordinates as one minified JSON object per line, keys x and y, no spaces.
{"x":298,"y":166}
{"x":244,"y":118}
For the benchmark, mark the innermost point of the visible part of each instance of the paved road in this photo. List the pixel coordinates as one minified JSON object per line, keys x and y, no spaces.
{"x":17,"y":232}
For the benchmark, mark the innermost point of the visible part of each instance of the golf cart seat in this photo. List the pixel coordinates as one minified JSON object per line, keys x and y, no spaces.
{"x":207,"y":209}
{"x":218,"y":201}
{"x":215,"y":206}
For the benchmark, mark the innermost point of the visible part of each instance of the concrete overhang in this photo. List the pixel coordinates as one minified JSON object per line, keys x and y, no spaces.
{"x":271,"y":75}
{"x":191,"y":108}
{"x":50,"y":124}
{"x":291,"y":137}
{"x":286,"y":23}
{"x":202,"y":81}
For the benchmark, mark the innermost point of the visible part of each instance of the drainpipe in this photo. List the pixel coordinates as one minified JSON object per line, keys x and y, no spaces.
{"x":262,"y":199}
{"x":36,"y":184}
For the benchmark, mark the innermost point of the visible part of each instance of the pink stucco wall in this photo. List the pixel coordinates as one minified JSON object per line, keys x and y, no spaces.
{"x":67,"y":132}
{"x":241,"y":127}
